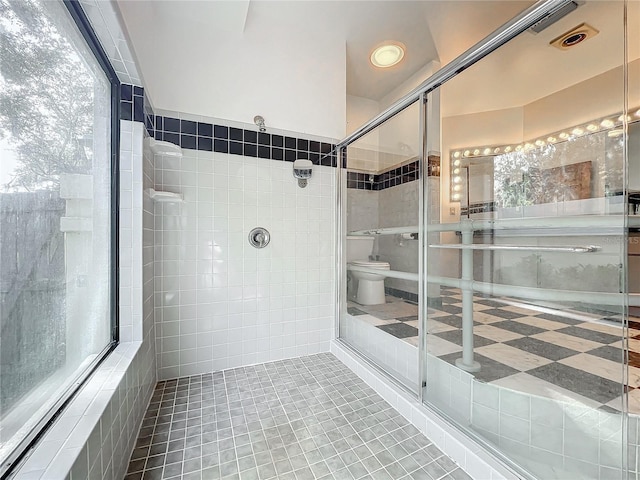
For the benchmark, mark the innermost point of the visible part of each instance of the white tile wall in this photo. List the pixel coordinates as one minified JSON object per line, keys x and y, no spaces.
{"x":398,"y":207}
{"x":107,"y":24}
{"x":94,"y":436}
{"x":552,"y":437}
{"x":130,"y":234}
{"x":392,"y":207}
{"x":396,"y":356}
{"x":220,"y":303}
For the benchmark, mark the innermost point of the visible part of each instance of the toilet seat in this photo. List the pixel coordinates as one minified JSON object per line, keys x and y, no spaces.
{"x":371,"y":264}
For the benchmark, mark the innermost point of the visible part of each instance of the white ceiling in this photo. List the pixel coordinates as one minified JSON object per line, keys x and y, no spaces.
{"x":528,"y":68}
{"x":431,"y":30}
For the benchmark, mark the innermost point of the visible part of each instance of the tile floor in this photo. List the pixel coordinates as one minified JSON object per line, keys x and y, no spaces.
{"x":519,"y":344}
{"x":304,"y":418}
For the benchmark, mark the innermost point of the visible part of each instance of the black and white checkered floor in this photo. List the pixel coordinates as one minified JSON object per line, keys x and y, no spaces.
{"x":527,"y":348}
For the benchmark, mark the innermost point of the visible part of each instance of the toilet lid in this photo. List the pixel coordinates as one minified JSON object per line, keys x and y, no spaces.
{"x":371,"y":264}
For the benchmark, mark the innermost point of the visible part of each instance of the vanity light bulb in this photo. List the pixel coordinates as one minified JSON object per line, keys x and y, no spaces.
{"x":467,"y":153}
{"x":540,"y":143}
{"x":622,"y":118}
{"x":486,"y":151}
{"x":457,"y":188}
{"x":615,"y":133}
{"x":518,"y":148}
{"x":456,"y":171}
{"x":528,"y":146}
{"x":496,"y":150}
{"x":457,"y":179}
{"x":577,"y":131}
{"x":476,"y":151}
{"x":592,"y":127}
{"x":564,"y":135}
{"x":552,"y":139}
{"x":456,"y":196}
{"x":456,"y":163}
{"x":456,"y":155}
{"x":637,"y":114}
{"x":607,"y":123}
{"x":507,"y":149}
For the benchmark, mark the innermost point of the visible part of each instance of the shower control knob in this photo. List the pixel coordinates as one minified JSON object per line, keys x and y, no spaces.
{"x":259,"y":237}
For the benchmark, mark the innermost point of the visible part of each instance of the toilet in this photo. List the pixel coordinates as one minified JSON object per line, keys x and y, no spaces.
{"x":366,"y":288}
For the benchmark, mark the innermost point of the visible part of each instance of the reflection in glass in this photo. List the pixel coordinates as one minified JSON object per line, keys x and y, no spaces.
{"x":525,"y":336}
{"x":381,"y":247}
{"x":55,"y":212}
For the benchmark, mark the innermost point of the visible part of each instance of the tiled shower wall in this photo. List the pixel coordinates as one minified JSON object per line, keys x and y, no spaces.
{"x":398,"y":207}
{"x":221,"y":303}
{"x":391,"y":207}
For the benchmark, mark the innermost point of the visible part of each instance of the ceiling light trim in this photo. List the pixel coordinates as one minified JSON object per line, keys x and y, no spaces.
{"x":387,"y":54}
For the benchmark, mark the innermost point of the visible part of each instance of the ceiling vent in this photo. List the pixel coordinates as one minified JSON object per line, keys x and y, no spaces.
{"x":574,"y":36}
{"x":553,"y":17}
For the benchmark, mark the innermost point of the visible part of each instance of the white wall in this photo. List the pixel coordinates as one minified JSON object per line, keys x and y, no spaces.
{"x":599,"y":96}
{"x":295,"y":85}
{"x":404,"y":128}
{"x":359,"y":111}
{"x":221,"y":303}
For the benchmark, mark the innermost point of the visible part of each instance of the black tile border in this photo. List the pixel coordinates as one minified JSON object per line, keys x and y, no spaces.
{"x":397,"y":176}
{"x":135,"y":106}
{"x":481,"y":207}
{"x":394,"y":292}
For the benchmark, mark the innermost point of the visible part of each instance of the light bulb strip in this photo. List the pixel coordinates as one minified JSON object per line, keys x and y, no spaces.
{"x":613,"y":123}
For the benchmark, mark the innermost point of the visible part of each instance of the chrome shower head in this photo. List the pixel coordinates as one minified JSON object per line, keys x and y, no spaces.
{"x":259,"y":121}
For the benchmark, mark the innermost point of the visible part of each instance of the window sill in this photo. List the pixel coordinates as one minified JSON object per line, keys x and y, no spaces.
{"x":82,"y":423}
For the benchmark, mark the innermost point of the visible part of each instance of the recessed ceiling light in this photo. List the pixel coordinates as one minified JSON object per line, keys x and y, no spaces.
{"x":387,"y":55}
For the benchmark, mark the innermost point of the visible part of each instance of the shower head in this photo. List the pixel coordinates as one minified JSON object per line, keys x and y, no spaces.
{"x":259,"y":121}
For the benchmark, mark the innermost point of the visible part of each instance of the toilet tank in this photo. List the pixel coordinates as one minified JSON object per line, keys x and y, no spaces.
{"x":359,"y":247}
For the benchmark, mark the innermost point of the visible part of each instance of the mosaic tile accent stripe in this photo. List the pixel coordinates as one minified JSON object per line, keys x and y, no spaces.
{"x":134,"y":105}
{"x":394,"y":292}
{"x":481,"y":207}
{"x":238,"y":141}
{"x":397,"y":176}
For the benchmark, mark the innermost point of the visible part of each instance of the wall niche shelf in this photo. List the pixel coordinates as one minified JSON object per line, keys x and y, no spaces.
{"x":164,"y":197}
{"x":159,"y":147}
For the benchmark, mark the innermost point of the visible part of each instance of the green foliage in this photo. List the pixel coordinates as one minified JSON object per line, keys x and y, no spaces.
{"x":46,"y":97}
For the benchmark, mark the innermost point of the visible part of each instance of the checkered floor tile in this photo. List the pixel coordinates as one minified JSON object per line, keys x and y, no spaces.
{"x":571,"y":351}
{"x":304,"y":418}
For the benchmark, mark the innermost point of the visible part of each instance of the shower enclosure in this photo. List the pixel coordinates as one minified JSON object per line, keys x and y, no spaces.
{"x":494,"y":206}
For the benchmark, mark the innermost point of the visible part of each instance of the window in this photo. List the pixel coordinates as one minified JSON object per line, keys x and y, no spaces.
{"x":57,"y":264}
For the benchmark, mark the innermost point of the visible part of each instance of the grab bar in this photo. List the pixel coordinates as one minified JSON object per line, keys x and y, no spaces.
{"x":536,"y":293}
{"x":531,"y":248}
{"x":385,"y":231}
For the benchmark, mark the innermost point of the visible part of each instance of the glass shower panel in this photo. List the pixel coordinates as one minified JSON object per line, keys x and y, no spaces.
{"x":381,"y":198}
{"x":527,"y":273}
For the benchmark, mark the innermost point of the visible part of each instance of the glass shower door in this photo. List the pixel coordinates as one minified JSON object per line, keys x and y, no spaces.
{"x":526,"y":331}
{"x":380,"y":211}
